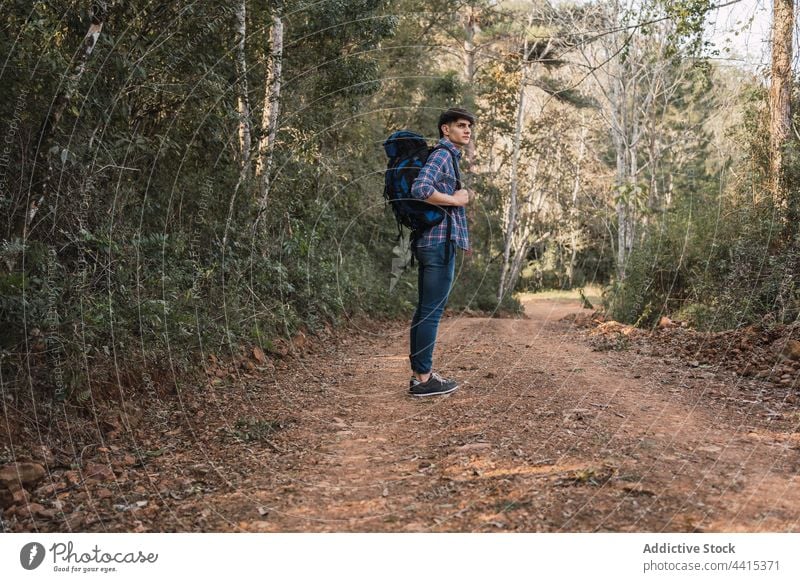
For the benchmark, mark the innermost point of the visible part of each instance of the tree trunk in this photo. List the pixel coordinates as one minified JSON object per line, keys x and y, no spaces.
{"x":633,"y":177}
{"x":511,"y":214}
{"x":779,"y":99}
{"x":269,"y":120}
{"x":574,"y":214}
{"x":619,"y":138}
{"x":60,"y":105}
{"x":469,"y":70}
{"x":242,"y":101}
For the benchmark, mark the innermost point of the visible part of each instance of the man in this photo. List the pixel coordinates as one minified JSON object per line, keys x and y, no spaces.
{"x":437,"y":183}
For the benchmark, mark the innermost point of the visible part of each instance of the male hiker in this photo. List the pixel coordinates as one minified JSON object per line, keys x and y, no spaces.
{"x":438,"y":183}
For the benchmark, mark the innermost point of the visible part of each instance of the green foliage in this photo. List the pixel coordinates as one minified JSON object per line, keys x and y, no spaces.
{"x":476,"y":285}
{"x":556,"y":88}
{"x":144,"y":251}
{"x":689,"y":18}
{"x":718,"y":259}
{"x":548,"y":267}
{"x":140,"y":252}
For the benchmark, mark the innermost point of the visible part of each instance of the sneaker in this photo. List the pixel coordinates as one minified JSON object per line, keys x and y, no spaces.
{"x":413,"y":381}
{"x":435,"y":386}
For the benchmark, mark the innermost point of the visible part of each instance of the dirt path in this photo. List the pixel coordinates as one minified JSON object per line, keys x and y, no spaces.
{"x":545,"y":434}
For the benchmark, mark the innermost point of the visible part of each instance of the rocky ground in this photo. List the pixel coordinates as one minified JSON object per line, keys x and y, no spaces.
{"x":563,"y":422}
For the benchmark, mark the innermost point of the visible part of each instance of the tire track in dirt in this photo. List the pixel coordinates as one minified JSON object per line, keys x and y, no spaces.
{"x":544,"y":435}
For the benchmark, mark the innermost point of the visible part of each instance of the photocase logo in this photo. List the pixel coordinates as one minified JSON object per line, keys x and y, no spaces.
{"x":31,"y":556}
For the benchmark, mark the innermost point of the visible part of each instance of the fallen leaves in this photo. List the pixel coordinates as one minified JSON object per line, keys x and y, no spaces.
{"x":258,"y":355}
{"x":769,"y":354}
{"x":22,"y":474}
{"x":15,"y":479}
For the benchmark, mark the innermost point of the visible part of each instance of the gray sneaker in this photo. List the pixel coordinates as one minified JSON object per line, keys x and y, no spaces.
{"x":435,"y":386}
{"x":413,"y":381}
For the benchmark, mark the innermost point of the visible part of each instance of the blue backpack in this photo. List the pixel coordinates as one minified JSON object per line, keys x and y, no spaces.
{"x":407,"y":153}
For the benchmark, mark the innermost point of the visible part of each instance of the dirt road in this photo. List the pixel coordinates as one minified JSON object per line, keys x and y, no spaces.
{"x":545,"y":434}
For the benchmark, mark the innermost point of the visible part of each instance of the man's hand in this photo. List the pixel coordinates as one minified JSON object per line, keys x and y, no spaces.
{"x":461,"y":197}
{"x":457,"y":198}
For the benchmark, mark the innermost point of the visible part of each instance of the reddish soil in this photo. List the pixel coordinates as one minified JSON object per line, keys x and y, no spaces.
{"x":546,"y":433}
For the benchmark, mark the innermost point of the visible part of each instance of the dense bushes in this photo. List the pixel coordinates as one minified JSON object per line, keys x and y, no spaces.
{"x":143,"y":254}
{"x":713,"y":271}
{"x":720,"y":257}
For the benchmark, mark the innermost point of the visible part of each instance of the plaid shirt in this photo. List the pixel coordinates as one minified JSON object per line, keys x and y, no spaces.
{"x":440,"y":175}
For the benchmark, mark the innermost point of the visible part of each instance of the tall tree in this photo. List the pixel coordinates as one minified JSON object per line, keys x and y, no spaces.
{"x":635,"y":78}
{"x":470,"y":29}
{"x":780,"y":98}
{"x":269,"y":119}
{"x":510,"y":215}
{"x":62,"y":101}
{"x":574,"y":216}
{"x":242,"y":101}
{"x":541,"y":50}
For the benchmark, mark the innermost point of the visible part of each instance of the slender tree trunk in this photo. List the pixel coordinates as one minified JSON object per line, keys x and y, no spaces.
{"x":242,"y":101}
{"x":511,"y":214}
{"x":779,"y":99}
{"x":633,"y":177}
{"x":62,"y":101}
{"x":574,"y":214}
{"x":619,"y":138}
{"x":243,"y":112}
{"x":469,"y":70}
{"x":654,"y":156}
{"x":669,"y":189}
{"x":269,"y":120}
{"x":626,"y":141}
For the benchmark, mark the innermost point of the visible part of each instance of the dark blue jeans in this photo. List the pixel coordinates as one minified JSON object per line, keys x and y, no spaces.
{"x":434,"y":281}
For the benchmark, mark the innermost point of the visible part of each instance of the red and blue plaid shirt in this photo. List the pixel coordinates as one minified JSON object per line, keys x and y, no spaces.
{"x":440,"y":175}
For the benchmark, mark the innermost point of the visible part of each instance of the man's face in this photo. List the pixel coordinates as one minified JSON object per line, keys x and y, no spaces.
{"x":458,"y":131}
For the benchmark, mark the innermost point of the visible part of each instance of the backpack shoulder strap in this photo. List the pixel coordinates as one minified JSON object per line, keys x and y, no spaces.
{"x":455,"y":163}
{"x":448,"y":217}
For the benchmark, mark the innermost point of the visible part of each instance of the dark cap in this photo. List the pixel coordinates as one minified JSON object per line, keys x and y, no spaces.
{"x":454,"y":114}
